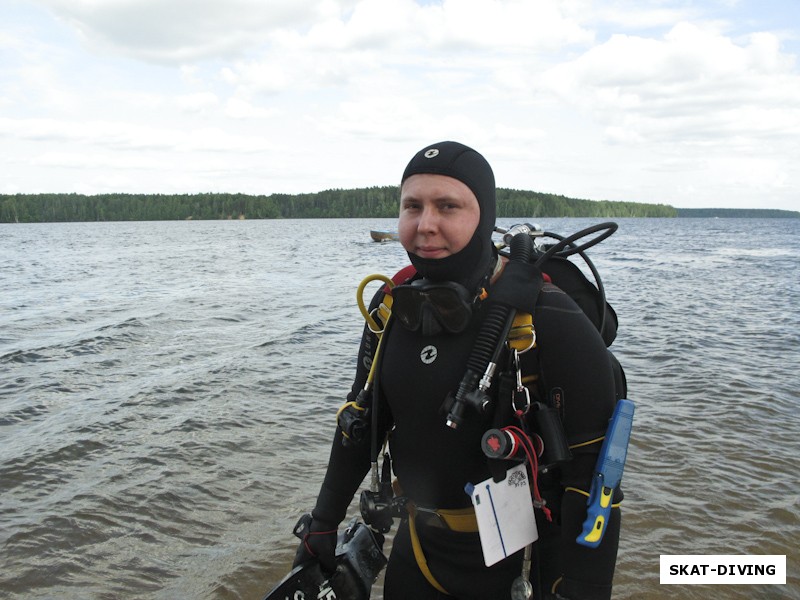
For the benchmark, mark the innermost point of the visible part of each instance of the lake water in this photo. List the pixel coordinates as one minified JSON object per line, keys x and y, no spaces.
{"x":168,"y":392}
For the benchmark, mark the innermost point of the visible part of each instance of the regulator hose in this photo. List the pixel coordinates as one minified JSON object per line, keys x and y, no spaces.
{"x":488,"y":346}
{"x":565,"y":247}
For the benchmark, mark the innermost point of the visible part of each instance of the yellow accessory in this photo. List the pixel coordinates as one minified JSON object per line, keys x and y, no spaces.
{"x":522,"y":335}
{"x":461,"y":520}
{"x":377,"y":321}
{"x":588,"y":443}
{"x":419,"y":555}
{"x":585,"y":493}
{"x":383,"y":311}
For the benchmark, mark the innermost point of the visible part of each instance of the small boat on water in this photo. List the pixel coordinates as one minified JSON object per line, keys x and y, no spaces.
{"x":384,"y":236}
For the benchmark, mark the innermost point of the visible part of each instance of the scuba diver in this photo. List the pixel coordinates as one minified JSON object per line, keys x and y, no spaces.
{"x":483,"y":364}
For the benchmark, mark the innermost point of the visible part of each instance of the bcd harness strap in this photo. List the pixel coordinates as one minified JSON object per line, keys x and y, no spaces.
{"x":460,"y":520}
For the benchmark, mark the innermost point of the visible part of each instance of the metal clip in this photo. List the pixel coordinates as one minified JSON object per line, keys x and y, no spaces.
{"x":521,"y":398}
{"x":379,"y":317}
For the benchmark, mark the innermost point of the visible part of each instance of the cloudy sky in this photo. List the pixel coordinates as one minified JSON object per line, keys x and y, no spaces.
{"x":689,"y":103}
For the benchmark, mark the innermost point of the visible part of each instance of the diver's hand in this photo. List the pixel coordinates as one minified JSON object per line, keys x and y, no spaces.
{"x":319,"y":541}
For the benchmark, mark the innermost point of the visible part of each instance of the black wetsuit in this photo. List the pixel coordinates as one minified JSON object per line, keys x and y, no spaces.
{"x":433,"y":462}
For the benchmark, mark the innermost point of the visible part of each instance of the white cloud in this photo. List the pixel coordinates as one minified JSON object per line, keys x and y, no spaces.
{"x":237,"y":108}
{"x":624,"y":99}
{"x":640,"y":15}
{"x":183,"y":30}
{"x":693,"y":84}
{"x":197,"y":102}
{"x":98,"y":161}
{"x":261,"y":77}
{"x":128,"y":137}
{"x":516,"y":24}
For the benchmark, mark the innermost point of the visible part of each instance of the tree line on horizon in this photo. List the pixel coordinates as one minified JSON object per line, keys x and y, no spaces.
{"x":740,"y":213}
{"x":373,"y":202}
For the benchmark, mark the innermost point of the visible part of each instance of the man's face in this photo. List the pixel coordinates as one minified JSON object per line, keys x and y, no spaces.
{"x":438,"y":215}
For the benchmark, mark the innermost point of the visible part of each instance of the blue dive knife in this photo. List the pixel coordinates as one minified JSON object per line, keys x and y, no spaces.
{"x":607,"y":475}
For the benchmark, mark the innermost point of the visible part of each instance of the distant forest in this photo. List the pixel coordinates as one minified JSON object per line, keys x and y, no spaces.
{"x":374,"y":202}
{"x":741,"y":213}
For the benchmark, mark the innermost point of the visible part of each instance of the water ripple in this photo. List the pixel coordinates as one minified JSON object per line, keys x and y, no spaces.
{"x":168,"y":391}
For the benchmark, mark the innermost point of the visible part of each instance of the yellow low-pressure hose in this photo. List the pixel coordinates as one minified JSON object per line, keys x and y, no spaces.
{"x":373,"y":324}
{"x":384,"y":309}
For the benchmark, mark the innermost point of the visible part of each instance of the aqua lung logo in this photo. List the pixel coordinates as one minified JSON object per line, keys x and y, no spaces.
{"x":368,"y":352}
{"x":432,"y":153}
{"x":428,"y":354}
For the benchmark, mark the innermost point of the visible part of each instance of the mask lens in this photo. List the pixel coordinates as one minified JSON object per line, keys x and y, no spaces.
{"x":407,"y":306}
{"x":448,"y":301}
{"x":452,"y":311}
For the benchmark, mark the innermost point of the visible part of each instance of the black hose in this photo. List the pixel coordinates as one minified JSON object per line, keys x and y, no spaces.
{"x":558,"y":249}
{"x":521,"y":248}
{"x":498,"y":315}
{"x":486,"y":343}
{"x":565,"y":248}
{"x":491,"y":336}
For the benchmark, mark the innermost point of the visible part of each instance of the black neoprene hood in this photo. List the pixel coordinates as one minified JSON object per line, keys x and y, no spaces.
{"x":463,"y":163}
{"x":452,"y":159}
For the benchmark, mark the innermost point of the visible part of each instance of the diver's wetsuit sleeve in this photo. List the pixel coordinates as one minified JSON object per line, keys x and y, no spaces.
{"x":347,"y":468}
{"x":575,"y":359}
{"x":347,"y":465}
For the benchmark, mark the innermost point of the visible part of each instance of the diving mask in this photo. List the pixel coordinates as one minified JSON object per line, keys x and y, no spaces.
{"x":432,"y":306}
